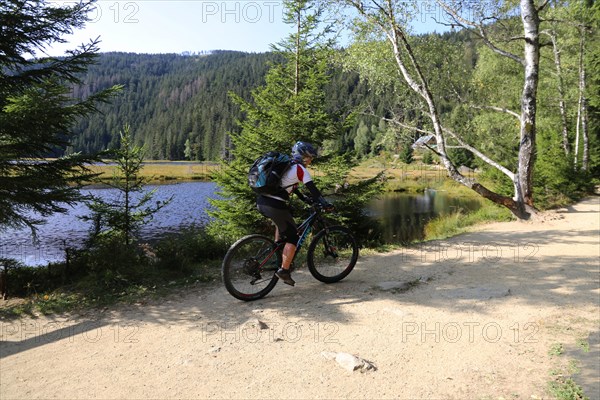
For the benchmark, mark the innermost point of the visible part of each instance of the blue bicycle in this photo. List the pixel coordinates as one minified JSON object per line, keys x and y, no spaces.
{"x":248,"y":269}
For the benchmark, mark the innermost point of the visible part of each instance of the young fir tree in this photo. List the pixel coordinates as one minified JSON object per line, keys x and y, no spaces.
{"x":124,"y":215}
{"x":291,"y":106}
{"x":37,"y":110}
{"x":406,"y":154}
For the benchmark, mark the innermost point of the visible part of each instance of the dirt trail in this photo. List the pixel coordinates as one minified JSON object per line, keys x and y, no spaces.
{"x":495,"y":313}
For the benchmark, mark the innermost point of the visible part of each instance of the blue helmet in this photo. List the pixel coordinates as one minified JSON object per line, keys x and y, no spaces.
{"x":303,"y":149}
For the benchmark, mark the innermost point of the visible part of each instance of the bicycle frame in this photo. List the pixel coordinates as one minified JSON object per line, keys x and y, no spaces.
{"x":304,"y":230}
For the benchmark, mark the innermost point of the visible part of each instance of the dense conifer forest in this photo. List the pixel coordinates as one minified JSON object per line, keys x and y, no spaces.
{"x":179,"y":107}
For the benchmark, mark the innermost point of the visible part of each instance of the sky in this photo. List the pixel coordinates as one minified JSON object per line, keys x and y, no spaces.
{"x":167,"y":26}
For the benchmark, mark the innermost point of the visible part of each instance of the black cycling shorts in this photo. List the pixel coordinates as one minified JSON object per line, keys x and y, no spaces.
{"x":281,"y":214}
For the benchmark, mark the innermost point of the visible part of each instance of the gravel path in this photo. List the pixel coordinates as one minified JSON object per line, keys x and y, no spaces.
{"x":496,"y":313}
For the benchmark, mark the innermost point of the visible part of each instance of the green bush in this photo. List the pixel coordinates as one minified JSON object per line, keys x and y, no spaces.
{"x":179,"y":252}
{"x":23,"y":281}
{"x":557,"y":182}
{"x":111,"y":262}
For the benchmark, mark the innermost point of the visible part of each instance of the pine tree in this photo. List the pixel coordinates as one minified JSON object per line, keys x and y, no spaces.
{"x":37,"y":110}
{"x":291,"y":106}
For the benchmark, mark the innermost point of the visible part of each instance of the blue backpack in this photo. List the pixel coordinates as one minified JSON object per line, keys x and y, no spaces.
{"x":265,"y":174}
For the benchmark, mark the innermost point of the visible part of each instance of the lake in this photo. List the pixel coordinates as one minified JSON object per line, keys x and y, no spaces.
{"x":402,"y":216}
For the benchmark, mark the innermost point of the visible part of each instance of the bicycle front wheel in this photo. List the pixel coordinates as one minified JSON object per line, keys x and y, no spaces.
{"x":332,"y":254}
{"x":248,"y":269}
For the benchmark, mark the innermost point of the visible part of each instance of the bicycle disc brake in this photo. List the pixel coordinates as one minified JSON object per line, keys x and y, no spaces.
{"x":251,"y":269}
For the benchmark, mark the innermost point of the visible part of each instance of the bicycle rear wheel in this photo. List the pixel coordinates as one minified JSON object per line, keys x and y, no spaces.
{"x":332,"y":254}
{"x":248,"y":269}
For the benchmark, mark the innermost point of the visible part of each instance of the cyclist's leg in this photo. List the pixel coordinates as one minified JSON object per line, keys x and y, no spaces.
{"x":289,"y":250}
{"x":281,"y":215}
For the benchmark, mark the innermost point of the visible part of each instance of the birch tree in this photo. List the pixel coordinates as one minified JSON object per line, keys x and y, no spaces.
{"x":390,"y":18}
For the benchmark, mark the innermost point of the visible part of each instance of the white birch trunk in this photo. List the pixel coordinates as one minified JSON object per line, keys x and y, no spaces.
{"x":586,"y":142}
{"x":561,"y":94}
{"x":527,"y":147}
{"x":584,"y":115}
{"x":581,"y":100}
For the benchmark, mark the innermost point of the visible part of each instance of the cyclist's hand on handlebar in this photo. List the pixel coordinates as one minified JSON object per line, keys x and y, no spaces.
{"x":327,"y":207}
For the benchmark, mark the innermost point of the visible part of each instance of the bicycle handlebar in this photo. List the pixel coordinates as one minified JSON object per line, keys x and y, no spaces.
{"x":318,"y":206}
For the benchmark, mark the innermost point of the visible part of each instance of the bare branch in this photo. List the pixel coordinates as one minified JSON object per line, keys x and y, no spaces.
{"x":406,"y":126}
{"x":379,"y":6}
{"x":499,"y":109}
{"x":462,"y":143}
{"x":543,"y":5}
{"x":479,"y":107}
{"x":479,"y":154}
{"x":433,"y":150}
{"x":479,"y":31}
{"x":515,"y":38}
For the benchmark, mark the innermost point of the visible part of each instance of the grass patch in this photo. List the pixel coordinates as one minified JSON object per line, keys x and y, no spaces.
{"x":459,"y":222}
{"x":86,"y":293}
{"x":156,"y":171}
{"x":584,"y":345}
{"x":108,"y":271}
{"x":562,"y":386}
{"x":565,"y":388}
{"x":556,"y":349}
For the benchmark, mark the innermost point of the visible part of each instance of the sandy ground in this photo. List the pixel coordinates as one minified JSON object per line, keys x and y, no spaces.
{"x":496,"y":313}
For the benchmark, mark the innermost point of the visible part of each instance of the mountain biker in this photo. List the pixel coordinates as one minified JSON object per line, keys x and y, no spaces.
{"x":276,"y":207}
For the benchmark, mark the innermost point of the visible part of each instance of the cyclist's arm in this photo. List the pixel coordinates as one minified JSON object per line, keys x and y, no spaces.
{"x":316,"y":194}
{"x":304,"y":176}
{"x":302,"y":196}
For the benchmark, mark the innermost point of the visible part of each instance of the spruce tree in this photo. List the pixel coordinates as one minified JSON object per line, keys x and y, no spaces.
{"x":291,"y":106}
{"x":37,"y":110}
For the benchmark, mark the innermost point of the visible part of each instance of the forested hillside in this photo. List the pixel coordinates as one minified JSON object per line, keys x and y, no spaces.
{"x":169,"y":100}
{"x":178,"y":105}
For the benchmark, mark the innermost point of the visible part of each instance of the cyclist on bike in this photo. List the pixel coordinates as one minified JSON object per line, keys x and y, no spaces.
{"x":276,"y":206}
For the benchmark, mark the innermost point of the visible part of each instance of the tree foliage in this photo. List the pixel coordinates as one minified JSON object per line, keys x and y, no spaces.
{"x":37,"y":110}
{"x":480,"y":96}
{"x":291,"y":106}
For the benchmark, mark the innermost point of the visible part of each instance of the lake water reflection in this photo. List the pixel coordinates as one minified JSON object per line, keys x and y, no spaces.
{"x":189,"y":205}
{"x":402,"y":216}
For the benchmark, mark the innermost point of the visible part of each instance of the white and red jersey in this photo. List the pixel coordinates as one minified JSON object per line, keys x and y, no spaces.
{"x":291,"y":178}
